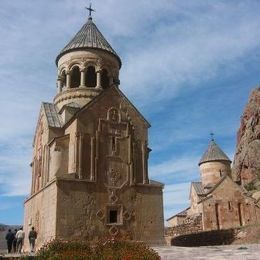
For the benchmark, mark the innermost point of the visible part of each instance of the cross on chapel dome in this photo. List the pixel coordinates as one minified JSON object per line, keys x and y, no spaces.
{"x":90,"y":9}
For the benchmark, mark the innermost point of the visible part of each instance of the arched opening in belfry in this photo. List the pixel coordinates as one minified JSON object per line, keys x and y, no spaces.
{"x":91,"y":77}
{"x":104,"y":79}
{"x":63,"y":79}
{"x":75,"y":77}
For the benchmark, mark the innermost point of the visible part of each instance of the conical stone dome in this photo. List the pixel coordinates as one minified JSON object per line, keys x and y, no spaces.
{"x":213,"y":153}
{"x":88,"y":37}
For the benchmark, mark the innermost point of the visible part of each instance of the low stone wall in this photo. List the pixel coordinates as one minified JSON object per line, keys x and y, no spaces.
{"x":206,"y":238}
{"x":183,"y":229}
{"x":190,"y":226}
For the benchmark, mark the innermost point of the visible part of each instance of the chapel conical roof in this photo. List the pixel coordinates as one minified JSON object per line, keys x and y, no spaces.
{"x":88,"y":37}
{"x":213,"y":153}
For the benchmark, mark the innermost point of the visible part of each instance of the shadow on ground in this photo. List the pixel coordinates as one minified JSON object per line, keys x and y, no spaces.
{"x":206,"y":238}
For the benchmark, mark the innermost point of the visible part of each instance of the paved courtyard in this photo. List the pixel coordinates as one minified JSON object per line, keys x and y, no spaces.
{"x":236,"y":252}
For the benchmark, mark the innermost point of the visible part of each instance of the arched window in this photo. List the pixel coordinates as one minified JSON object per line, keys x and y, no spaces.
{"x":104,"y":79}
{"x":75,"y":77}
{"x":91,"y":78}
{"x":217,"y":211}
{"x":63,"y":79}
{"x":240,"y":214}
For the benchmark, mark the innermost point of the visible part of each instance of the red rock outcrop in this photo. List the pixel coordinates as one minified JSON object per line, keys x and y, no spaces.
{"x":246,"y":166}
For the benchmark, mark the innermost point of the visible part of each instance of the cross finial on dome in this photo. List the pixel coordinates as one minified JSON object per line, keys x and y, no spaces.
{"x":212,"y":136}
{"x":90,"y":11}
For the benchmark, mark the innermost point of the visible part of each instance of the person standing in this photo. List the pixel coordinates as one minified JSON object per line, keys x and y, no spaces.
{"x":14,"y":241}
{"x":32,"y":237}
{"x":20,"y":237}
{"x":9,"y":239}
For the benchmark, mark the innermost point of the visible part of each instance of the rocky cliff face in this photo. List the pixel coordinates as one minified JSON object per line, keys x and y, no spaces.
{"x":246,"y":166}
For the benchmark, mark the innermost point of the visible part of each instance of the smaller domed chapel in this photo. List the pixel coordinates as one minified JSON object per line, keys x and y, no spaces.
{"x":90,"y":154}
{"x":216,"y":201}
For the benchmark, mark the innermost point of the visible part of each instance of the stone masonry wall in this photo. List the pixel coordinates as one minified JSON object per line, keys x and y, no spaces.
{"x":40,"y":213}
{"x":149,"y":215}
{"x":228,"y":207}
{"x":83,"y":212}
{"x":192,"y":225}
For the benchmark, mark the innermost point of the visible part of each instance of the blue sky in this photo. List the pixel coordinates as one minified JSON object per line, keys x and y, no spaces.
{"x":188,"y":66}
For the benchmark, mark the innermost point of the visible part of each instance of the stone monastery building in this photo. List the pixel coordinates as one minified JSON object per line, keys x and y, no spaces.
{"x":217,"y":202}
{"x":90,"y":154}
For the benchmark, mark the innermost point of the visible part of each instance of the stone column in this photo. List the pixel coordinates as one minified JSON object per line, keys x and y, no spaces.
{"x":36,"y":175}
{"x":130,"y":158}
{"x":92,"y":162}
{"x":47,"y":163}
{"x":42,"y":166}
{"x":68,"y":80}
{"x":80,"y":155}
{"x":133,"y":165}
{"x":144,"y":162}
{"x":44,"y":171}
{"x":117,"y":81}
{"x":59,"y":84}
{"x":82,"y":79}
{"x":111,"y":81}
{"x":77,"y":153}
{"x":99,"y":78}
{"x":33,"y":177}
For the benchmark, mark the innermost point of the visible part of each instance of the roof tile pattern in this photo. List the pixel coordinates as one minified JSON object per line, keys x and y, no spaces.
{"x":53,"y":118}
{"x":88,"y":37}
{"x":198,"y":188}
{"x":183,"y":213}
{"x":213,"y":153}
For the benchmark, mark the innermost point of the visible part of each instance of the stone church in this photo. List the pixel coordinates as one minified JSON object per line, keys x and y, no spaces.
{"x":217,"y":202}
{"x":90,"y":154}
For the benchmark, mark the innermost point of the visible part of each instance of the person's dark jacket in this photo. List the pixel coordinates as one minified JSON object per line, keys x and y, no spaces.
{"x":9,"y":237}
{"x":32,"y":234}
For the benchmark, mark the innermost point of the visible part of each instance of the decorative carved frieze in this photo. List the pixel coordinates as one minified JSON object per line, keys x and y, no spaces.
{"x":100,"y":214}
{"x":113,"y":178}
{"x":113,"y":231}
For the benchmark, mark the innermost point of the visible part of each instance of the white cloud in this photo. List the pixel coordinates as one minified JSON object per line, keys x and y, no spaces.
{"x":193,"y":50}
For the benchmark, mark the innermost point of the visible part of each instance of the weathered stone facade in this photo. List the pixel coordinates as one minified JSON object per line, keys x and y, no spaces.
{"x":228,"y":206}
{"x":90,"y":159}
